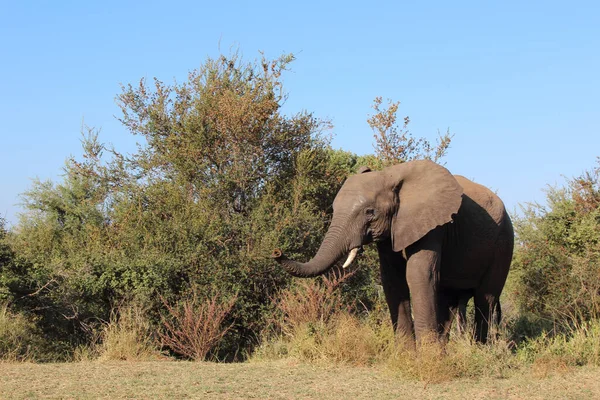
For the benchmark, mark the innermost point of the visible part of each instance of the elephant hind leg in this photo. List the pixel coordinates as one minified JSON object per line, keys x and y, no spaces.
{"x":486,"y":305}
{"x":487,"y":296}
{"x":453,"y":305}
{"x":448,"y":307}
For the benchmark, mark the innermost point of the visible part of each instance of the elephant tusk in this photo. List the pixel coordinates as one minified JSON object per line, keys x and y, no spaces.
{"x":351,"y":257}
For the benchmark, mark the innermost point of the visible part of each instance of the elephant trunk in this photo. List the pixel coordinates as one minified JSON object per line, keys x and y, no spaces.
{"x":333,"y":247}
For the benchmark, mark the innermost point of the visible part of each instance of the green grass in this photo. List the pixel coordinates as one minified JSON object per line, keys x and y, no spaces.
{"x":283,"y":379}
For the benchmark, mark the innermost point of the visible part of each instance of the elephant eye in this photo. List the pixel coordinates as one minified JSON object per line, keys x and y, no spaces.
{"x":370,"y":212}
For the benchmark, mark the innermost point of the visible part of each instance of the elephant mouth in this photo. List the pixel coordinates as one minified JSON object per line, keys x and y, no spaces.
{"x":352,"y":255}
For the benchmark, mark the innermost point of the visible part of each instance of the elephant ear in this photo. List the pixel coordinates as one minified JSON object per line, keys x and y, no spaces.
{"x":428,"y":196}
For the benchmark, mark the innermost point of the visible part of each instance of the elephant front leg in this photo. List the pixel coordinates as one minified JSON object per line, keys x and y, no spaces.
{"x":397,"y":294}
{"x":422,"y":275}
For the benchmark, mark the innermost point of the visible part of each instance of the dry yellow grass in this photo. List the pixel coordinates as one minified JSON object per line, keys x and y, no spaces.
{"x":284,"y":379}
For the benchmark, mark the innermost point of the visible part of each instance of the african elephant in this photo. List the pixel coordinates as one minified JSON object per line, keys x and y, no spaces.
{"x":441,"y":239}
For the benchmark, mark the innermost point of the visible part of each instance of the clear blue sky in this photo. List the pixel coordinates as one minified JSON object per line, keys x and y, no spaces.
{"x":516,"y":81}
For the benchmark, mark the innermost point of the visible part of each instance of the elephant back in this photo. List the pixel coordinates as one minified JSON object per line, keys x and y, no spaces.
{"x":484,"y":198}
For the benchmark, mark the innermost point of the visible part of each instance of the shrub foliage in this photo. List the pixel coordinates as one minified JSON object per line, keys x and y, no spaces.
{"x":220,"y":178}
{"x":557,"y":262}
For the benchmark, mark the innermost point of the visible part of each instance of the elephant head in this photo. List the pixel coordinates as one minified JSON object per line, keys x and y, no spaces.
{"x":401,"y":203}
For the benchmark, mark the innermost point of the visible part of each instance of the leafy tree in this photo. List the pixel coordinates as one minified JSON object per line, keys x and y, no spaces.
{"x":395,"y":144}
{"x":558,"y":252}
{"x":9,"y":278}
{"x":222,"y":177}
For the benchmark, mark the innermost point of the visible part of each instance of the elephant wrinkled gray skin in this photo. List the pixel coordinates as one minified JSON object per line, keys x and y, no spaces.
{"x":442,"y":240}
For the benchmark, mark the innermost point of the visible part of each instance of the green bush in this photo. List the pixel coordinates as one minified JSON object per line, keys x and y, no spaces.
{"x":557,"y":259}
{"x":12,"y":270}
{"x":222,"y":178}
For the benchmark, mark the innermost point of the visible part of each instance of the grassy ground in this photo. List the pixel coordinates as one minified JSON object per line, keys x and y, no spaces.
{"x":274,"y":380}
